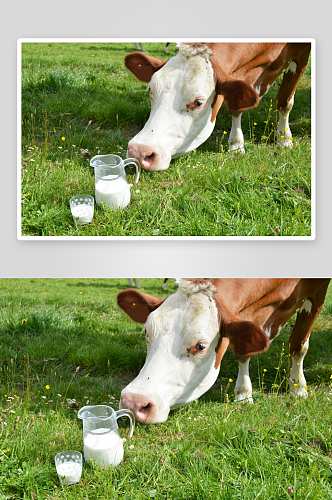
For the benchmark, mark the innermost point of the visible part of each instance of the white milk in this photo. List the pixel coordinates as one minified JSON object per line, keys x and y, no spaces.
{"x":82,"y":213}
{"x":114,"y":193}
{"x":69,"y":472}
{"x":106,"y":449}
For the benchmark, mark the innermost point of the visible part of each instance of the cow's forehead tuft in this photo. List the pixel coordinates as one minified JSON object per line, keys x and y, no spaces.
{"x":194,"y":49}
{"x":193,"y":286}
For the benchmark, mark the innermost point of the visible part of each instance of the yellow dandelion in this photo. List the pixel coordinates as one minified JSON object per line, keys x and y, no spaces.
{"x":47,"y":387}
{"x":255,"y":123}
{"x":24,"y":320}
{"x":230,"y":380}
{"x":225,"y":132}
{"x":81,"y":293}
{"x":264,"y":370}
{"x":63,"y":138}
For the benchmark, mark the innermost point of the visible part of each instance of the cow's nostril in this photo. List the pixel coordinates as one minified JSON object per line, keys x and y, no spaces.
{"x":145,"y":409}
{"x":149,"y":158}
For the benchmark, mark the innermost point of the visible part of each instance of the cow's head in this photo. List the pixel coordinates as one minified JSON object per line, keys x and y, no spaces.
{"x":187,"y":335}
{"x":186,"y":93}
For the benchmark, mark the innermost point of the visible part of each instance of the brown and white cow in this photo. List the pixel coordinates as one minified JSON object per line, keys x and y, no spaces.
{"x":187,"y":91}
{"x":188,"y":333}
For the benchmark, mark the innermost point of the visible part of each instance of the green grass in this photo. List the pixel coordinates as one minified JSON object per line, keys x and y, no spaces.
{"x":69,"y":334}
{"x":78,"y":100}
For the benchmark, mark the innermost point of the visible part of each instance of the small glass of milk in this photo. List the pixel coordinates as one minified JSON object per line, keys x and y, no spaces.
{"x":69,"y":466}
{"x":82,"y":208}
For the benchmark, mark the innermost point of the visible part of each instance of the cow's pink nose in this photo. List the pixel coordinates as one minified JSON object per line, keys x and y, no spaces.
{"x":146,"y":155}
{"x":140,"y":406}
{"x":147,"y":410}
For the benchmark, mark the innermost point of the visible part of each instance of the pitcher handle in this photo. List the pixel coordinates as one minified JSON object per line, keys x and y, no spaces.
{"x":130,"y":415}
{"x":133,"y":161}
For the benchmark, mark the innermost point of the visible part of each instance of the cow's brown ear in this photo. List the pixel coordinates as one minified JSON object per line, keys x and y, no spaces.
{"x":246,"y":338}
{"x":138,"y":305}
{"x":143,"y":66}
{"x":237,"y":94}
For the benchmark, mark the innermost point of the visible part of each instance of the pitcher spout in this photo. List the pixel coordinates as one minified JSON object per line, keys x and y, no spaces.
{"x":102,"y":412}
{"x":102,"y":161}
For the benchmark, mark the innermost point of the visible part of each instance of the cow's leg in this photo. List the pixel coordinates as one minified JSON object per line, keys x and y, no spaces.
{"x":243,"y":387}
{"x":136,"y":46}
{"x":236,"y":139}
{"x":130,"y":283}
{"x":284,"y":134}
{"x":299,"y":339}
{"x":285,"y":97}
{"x":136,"y":283}
{"x":297,"y":381}
{"x":164,"y":284}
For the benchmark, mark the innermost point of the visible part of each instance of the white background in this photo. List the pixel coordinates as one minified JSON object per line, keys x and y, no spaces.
{"x":139,"y":20}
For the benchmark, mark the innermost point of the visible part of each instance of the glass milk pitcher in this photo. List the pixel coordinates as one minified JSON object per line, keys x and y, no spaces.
{"x":111,"y":184}
{"x":101,"y":438}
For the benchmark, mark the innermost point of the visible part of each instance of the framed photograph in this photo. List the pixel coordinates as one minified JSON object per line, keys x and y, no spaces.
{"x":163,"y":138}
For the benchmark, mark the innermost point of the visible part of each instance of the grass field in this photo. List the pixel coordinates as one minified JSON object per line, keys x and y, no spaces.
{"x":65,"y":343}
{"x":79,"y":100}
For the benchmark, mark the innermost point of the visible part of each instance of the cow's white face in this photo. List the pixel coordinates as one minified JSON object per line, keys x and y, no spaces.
{"x":181,"y":92}
{"x":181,"y":335}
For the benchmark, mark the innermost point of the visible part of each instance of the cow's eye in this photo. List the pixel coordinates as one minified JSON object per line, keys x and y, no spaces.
{"x":196,"y":104}
{"x":198,"y":348}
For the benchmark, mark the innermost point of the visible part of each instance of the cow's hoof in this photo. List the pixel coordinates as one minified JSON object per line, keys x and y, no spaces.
{"x":246,"y":397}
{"x":296,"y":390}
{"x":236,"y":147}
{"x":284,"y":142}
{"x":300,"y":393}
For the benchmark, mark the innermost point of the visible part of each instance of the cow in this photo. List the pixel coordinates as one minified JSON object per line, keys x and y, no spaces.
{"x":188,"y":89}
{"x":188,"y":333}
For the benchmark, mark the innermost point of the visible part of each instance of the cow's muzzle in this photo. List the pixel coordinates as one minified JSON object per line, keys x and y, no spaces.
{"x":147,"y":410}
{"x":150,"y":157}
